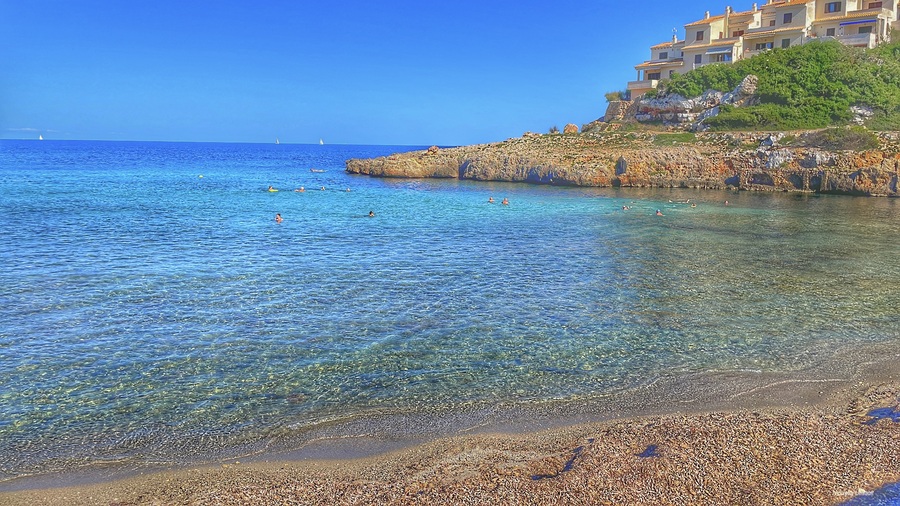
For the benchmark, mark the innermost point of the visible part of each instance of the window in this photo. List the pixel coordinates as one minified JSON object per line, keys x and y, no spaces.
{"x":653,"y":77}
{"x":737,"y":33}
{"x":829,"y":32}
{"x":698,"y":58}
{"x":788,"y":17}
{"x":772,"y":23}
{"x":865,"y":29}
{"x":699,"y":35}
{"x":764,"y":45}
{"x":875,"y":5}
{"x":721,"y":35}
{"x":722,"y":58}
{"x":833,"y":7}
{"x":785,"y":43}
{"x":664,"y":55}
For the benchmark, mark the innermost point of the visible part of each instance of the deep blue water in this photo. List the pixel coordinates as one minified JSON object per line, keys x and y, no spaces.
{"x":147,"y":312}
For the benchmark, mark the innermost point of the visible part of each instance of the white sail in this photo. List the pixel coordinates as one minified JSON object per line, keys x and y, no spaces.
{"x":320,"y":142}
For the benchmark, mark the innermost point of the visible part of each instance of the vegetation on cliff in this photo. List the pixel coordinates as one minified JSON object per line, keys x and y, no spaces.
{"x":804,"y":87}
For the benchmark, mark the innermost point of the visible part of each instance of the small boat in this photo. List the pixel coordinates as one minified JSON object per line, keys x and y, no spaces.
{"x":277,"y":141}
{"x":40,"y":137}
{"x":321,"y":142}
{"x":316,"y":170}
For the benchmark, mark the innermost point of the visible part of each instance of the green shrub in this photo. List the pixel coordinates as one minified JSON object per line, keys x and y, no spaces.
{"x":804,"y":87}
{"x":841,"y":139}
{"x":885,"y":121}
{"x":612,"y":96}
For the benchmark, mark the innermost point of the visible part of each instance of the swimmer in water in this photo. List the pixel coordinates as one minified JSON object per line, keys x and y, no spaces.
{"x":371,"y":214}
{"x":271,"y":189}
{"x":301,"y":189}
{"x":490,"y":200}
{"x":659,"y":213}
{"x":505,"y":202}
{"x":278,"y":218}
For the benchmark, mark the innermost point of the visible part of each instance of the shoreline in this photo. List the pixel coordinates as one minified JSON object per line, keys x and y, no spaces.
{"x":746,"y":161}
{"x":668,"y":442}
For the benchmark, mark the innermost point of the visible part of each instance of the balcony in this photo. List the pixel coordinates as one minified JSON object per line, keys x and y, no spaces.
{"x":868,"y":40}
{"x":643,"y":85}
{"x":875,"y":12}
{"x":749,"y":53}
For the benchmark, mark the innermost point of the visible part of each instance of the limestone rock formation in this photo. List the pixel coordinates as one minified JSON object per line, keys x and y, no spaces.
{"x":616,"y":110}
{"x":679,"y":110}
{"x":747,"y":161}
{"x":570,"y":129}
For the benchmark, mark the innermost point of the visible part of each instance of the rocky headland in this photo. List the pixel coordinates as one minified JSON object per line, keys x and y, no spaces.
{"x":786,"y":161}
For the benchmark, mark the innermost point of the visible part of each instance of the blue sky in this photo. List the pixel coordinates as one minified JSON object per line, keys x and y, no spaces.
{"x":349,"y":72}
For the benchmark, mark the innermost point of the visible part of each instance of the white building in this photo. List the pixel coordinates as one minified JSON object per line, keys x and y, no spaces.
{"x":735,"y":35}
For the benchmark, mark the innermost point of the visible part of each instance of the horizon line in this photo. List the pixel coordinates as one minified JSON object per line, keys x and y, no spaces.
{"x":29,"y":139}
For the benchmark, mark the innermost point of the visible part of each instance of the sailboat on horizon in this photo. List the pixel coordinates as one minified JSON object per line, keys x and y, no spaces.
{"x":321,"y":142}
{"x":40,"y":137}
{"x":277,"y":141}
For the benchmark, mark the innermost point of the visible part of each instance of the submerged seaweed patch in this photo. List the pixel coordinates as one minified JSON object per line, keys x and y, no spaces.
{"x":892,"y":414}
{"x":651,"y":451}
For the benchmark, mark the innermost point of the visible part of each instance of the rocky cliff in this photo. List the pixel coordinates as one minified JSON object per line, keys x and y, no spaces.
{"x":747,"y":161}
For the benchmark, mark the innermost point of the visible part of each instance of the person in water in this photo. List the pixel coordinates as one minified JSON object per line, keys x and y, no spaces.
{"x":659,"y":213}
{"x":278,"y":218}
{"x":371,"y":214}
{"x":271,"y":189}
{"x":490,"y":200}
{"x":301,"y":189}
{"x":505,"y":202}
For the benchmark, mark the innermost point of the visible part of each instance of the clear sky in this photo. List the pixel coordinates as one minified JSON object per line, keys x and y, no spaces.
{"x":349,"y":72}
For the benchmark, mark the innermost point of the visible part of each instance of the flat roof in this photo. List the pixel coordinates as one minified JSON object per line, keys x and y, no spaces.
{"x":660,"y":64}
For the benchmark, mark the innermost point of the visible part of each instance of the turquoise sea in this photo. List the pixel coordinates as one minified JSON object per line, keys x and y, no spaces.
{"x":152,"y":312}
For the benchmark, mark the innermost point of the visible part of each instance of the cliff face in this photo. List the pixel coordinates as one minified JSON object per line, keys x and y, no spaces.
{"x":744,"y":161}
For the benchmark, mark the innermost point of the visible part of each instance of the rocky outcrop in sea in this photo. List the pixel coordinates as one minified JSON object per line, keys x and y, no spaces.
{"x":745,"y":161}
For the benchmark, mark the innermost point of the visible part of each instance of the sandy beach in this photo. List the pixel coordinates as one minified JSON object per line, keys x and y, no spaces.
{"x":805,"y":451}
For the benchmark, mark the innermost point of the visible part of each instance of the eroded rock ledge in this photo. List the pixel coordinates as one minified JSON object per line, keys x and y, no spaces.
{"x":746,"y":161}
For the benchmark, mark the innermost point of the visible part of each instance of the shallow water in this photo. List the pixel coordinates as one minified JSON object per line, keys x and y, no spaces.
{"x":151,"y":315}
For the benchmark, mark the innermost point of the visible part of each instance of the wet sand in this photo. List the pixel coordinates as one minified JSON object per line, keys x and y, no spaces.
{"x":780,"y":442}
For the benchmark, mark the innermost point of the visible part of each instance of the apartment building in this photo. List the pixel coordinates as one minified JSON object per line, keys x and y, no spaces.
{"x":777,"y":24}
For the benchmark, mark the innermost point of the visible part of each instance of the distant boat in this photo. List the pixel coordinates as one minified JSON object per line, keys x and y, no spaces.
{"x":40,"y":137}
{"x":316,"y":170}
{"x":277,"y":141}
{"x":321,"y":142}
